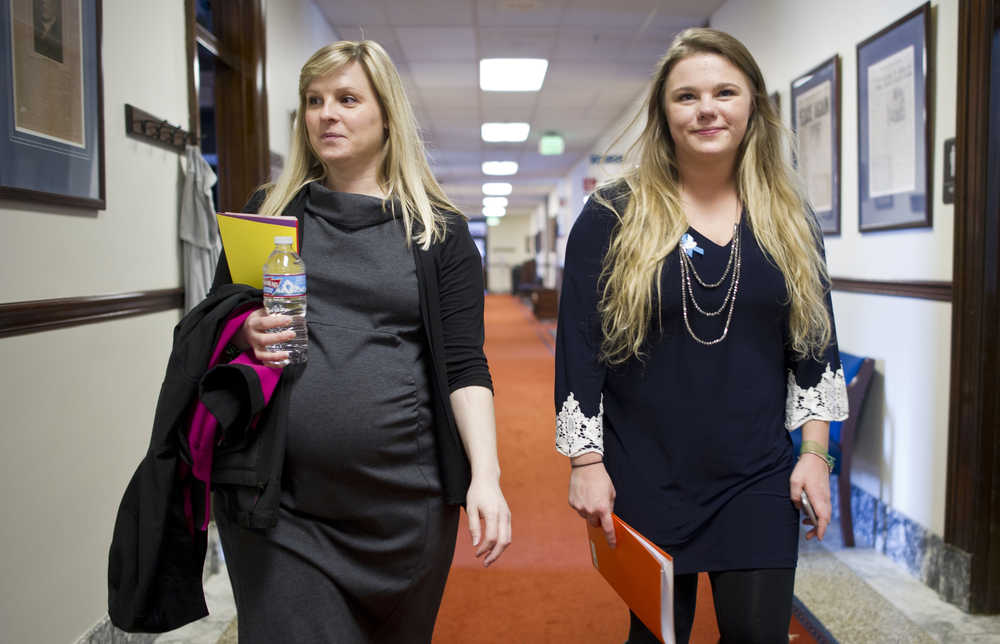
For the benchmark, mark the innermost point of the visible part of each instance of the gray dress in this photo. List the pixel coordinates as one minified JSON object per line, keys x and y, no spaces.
{"x":364,"y":540}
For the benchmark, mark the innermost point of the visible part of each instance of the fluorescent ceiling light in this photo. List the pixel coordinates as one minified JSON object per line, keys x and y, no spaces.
{"x":492,"y":221}
{"x":505,"y":132}
{"x":497,"y":189}
{"x":494,"y":211}
{"x":500,"y":167}
{"x":495,"y":201}
{"x":512,"y":74}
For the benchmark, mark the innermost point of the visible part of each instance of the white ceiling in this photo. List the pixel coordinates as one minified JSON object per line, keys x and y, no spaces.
{"x":600,"y":52}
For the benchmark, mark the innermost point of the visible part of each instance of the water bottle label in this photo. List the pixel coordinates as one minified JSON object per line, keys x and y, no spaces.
{"x":284,"y":285}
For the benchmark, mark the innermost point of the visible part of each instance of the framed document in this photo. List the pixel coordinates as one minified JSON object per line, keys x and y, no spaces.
{"x":894,"y":125}
{"x":52,"y":104}
{"x":815,"y":106}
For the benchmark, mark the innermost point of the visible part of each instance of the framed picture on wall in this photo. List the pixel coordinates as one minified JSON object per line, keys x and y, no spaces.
{"x":815,"y":106}
{"x":52,"y":105}
{"x":894,"y":125}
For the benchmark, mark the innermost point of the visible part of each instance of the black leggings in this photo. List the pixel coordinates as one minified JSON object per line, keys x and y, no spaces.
{"x":751,"y":606}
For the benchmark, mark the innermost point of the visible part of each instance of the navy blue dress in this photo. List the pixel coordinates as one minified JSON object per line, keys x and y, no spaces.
{"x":695,"y":438}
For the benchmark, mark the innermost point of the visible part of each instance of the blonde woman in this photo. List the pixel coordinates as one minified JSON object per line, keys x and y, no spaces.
{"x":391,"y":425}
{"x":695,"y":329}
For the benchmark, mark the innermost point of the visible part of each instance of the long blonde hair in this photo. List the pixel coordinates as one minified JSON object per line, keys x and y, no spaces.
{"x":403,"y":172}
{"x":653,"y":221}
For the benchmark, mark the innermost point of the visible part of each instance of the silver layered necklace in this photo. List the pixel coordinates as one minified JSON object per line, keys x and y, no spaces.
{"x":732,"y":271}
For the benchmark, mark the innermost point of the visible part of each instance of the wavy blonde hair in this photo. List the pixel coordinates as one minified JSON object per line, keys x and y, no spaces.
{"x":653,"y":221}
{"x":403,"y":172}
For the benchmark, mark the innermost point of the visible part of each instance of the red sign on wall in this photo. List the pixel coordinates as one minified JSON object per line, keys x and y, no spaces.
{"x":589,"y":183}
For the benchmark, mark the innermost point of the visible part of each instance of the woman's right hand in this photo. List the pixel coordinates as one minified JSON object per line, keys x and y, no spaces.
{"x":255,"y":335}
{"x":592,"y":494}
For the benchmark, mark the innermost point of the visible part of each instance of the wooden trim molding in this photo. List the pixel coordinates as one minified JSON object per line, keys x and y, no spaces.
{"x":924,"y":290}
{"x":20,"y":318}
{"x":972,"y":501}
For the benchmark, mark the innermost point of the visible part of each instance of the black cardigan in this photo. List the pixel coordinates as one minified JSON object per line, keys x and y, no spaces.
{"x":450,"y":279}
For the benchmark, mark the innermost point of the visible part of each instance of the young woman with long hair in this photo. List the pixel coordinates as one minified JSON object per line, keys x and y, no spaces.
{"x":695,"y":329}
{"x":391,"y":425}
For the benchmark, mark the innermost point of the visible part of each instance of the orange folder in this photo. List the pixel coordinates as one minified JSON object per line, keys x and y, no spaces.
{"x":641,"y":574}
{"x":248,"y":239}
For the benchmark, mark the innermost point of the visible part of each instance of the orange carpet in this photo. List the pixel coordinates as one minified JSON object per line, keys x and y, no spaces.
{"x":544,"y":588}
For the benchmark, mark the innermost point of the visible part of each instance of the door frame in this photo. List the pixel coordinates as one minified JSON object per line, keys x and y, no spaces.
{"x":238,"y":44}
{"x":972,"y":510}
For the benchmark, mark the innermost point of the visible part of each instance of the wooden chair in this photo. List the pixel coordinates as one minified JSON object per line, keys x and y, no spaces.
{"x":528,"y":280}
{"x":545,"y":303}
{"x":858,"y":372}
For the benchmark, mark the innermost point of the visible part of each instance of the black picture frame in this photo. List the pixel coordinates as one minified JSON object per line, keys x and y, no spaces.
{"x":52,"y":110}
{"x":816,"y":121}
{"x":895,"y":155}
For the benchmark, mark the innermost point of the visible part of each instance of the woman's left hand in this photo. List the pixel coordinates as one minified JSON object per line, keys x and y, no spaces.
{"x":484,"y":502}
{"x":812,"y":474}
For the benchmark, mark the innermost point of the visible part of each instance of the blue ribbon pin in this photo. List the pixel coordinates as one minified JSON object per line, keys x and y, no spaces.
{"x":690,"y":246}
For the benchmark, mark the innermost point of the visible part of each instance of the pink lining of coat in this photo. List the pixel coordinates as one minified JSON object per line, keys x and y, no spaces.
{"x":201,"y":435}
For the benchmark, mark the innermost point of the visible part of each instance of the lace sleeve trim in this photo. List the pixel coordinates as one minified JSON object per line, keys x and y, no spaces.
{"x":826,"y":401}
{"x":577,"y":433}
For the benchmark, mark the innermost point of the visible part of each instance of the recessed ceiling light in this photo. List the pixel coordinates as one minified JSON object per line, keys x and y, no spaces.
{"x":492,"y":221}
{"x":497,"y":189}
{"x":495,"y":201}
{"x":494,"y":211}
{"x":512,"y":74}
{"x":505,"y":132}
{"x":500,"y":167}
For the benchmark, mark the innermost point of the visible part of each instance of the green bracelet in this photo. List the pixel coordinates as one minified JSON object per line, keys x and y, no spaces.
{"x":817,"y":449}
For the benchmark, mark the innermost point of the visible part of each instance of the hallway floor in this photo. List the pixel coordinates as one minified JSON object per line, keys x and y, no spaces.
{"x":547,"y":586}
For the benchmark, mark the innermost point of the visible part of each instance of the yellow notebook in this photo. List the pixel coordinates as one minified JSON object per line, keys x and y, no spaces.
{"x":248,"y":239}
{"x":641,"y":574}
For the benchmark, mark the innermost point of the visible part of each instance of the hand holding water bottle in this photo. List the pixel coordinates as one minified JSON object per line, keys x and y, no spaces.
{"x":259,"y":333}
{"x":277,"y":333}
{"x":285,"y":296}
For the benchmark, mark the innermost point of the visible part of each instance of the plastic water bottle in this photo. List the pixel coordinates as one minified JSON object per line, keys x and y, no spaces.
{"x":285,"y":294}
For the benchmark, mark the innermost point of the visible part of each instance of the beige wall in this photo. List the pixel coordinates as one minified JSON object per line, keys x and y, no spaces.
{"x":294,"y":31}
{"x":902,"y":452}
{"x":505,"y":249}
{"x":78,"y":403}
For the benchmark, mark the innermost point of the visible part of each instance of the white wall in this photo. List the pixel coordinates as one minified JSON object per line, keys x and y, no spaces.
{"x":902,"y":442}
{"x":506,"y":249}
{"x":295,"y":30}
{"x":78,"y":402}
{"x":615,"y":141}
{"x":902,"y":453}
